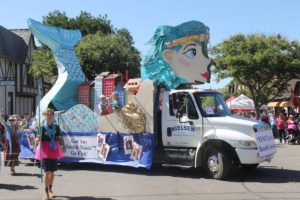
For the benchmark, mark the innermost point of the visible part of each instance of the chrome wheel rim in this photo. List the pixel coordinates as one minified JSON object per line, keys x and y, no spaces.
{"x":213,"y":164}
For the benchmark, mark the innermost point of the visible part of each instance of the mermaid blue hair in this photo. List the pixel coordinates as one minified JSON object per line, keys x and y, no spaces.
{"x":154,"y":67}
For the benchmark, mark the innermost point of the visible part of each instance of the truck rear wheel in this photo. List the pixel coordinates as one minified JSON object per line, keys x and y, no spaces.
{"x":217,"y":163}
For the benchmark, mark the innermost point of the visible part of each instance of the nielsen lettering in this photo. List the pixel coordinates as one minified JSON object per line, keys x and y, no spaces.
{"x":183,"y":128}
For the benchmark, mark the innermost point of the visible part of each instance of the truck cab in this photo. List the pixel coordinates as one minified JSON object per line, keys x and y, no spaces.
{"x":198,"y":129}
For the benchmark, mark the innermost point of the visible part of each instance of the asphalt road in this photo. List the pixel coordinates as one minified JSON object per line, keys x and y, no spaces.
{"x":276,"y":180}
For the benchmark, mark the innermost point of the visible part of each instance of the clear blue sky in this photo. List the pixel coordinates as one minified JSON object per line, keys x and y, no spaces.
{"x":142,"y":17}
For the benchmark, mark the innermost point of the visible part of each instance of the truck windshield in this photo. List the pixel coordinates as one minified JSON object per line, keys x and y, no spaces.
{"x":211,"y":104}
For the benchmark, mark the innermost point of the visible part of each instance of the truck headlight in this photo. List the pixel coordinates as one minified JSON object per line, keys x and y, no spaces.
{"x":247,"y":144}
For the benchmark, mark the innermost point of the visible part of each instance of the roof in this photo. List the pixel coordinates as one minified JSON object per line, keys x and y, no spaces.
{"x":12,"y":46}
{"x":230,"y":99}
{"x":241,"y":102}
{"x":25,"y":34}
{"x":102,"y":75}
{"x":287,"y":94}
{"x":133,"y":83}
{"x":112,"y":76}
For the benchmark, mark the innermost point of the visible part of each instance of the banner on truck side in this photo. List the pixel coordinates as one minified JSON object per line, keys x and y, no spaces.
{"x":104,"y":147}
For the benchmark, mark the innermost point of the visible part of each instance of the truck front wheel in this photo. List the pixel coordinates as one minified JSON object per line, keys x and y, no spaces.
{"x":217,"y":163}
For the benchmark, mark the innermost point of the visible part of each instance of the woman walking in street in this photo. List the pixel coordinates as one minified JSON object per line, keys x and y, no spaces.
{"x":50,"y":150}
{"x":11,"y":154}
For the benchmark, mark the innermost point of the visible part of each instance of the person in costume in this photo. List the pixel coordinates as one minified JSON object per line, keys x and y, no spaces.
{"x":103,"y":106}
{"x":115,"y":101}
{"x":178,"y":55}
{"x":51,"y":147}
{"x":11,"y":154}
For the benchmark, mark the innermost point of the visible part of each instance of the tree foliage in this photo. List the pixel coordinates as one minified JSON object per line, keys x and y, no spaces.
{"x":264,"y":64}
{"x":98,"y":53}
{"x":103,"y":47}
{"x":43,"y":64}
{"x":85,"y":22}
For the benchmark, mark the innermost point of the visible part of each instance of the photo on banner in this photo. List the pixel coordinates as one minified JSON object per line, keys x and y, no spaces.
{"x":128,"y":144}
{"x":100,"y":139}
{"x":104,"y":150}
{"x":136,"y":151}
{"x":31,"y":141}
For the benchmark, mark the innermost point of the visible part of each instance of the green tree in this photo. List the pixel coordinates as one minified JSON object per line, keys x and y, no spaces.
{"x":98,"y":53}
{"x":43,"y":64}
{"x":264,"y":64}
{"x":103,"y":48}
{"x":85,"y":22}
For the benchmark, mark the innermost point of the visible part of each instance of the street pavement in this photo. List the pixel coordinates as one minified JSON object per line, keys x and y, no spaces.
{"x":278,"y":179}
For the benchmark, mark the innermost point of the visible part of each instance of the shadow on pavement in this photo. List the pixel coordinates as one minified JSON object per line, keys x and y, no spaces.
{"x":156,"y":170}
{"x":263,"y":174}
{"x":80,"y":198}
{"x":14,"y":187}
{"x":27,"y":174}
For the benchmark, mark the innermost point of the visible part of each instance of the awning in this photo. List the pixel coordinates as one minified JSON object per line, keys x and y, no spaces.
{"x":280,"y":104}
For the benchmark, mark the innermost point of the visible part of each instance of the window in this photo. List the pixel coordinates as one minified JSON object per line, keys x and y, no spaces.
{"x":171,"y":106}
{"x":10,"y":102}
{"x":212,"y":104}
{"x":192,"y":112}
{"x":183,"y":103}
{"x":177,"y":101}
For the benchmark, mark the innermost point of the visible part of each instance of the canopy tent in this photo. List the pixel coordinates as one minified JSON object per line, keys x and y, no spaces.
{"x":230,"y":99}
{"x":241,"y":103}
{"x":280,"y":104}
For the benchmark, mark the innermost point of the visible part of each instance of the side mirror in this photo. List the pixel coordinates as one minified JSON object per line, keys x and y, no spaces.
{"x":185,"y":119}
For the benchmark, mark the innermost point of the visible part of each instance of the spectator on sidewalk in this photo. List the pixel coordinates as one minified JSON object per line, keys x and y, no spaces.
{"x":281,"y":124}
{"x":272,"y":119}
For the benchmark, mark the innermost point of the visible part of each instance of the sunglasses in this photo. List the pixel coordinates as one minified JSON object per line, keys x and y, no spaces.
{"x":11,"y":120}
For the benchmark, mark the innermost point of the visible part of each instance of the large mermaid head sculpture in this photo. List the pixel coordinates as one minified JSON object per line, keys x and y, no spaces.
{"x":178,"y":55}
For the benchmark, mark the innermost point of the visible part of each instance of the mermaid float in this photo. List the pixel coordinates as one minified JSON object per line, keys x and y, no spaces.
{"x":172,"y":47}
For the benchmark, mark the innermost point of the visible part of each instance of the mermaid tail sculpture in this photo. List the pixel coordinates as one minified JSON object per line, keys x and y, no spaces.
{"x":63,"y":94}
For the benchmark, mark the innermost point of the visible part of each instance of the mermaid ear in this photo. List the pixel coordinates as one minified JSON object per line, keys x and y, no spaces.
{"x":167,"y":54}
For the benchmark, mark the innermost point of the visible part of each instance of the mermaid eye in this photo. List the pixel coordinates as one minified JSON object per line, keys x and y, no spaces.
{"x":191,"y":53}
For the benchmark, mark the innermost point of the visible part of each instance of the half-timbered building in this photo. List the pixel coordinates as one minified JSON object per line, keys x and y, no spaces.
{"x":18,"y":89}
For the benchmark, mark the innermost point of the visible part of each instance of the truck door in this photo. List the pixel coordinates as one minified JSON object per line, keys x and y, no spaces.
{"x":180,"y":121}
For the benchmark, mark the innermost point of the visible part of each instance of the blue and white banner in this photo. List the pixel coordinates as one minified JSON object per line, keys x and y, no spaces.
{"x":27,"y":143}
{"x":135,"y":150}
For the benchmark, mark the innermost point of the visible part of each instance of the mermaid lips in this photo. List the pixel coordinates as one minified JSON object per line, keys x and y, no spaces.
{"x":205,"y":75}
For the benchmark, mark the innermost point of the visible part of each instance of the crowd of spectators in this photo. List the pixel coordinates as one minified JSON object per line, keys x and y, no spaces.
{"x":285,"y":127}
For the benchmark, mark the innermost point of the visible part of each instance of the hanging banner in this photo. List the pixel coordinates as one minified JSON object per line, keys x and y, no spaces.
{"x":265,"y":143}
{"x":135,"y":150}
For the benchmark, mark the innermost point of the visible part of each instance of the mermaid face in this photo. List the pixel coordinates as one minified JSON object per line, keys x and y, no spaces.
{"x":189,"y":62}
